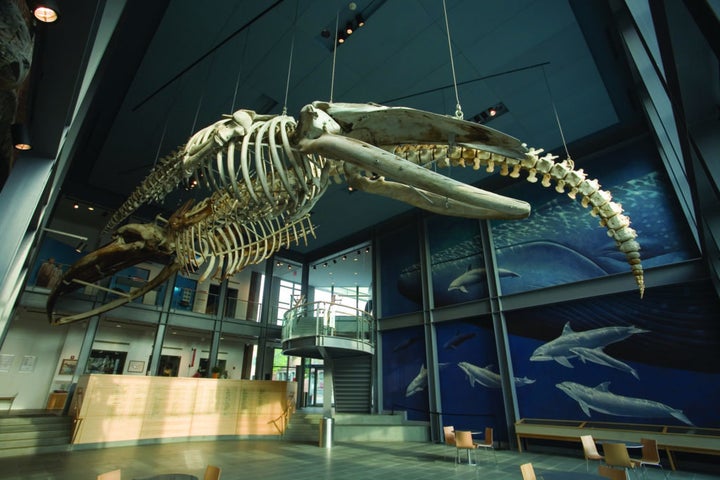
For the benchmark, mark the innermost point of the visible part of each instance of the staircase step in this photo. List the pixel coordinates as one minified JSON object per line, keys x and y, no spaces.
{"x":32,"y":434}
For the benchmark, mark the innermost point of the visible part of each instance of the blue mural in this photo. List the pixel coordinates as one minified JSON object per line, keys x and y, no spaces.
{"x":562,"y":243}
{"x":457,"y":265}
{"x":398,"y":250}
{"x":405,"y":386}
{"x":622,"y":359}
{"x":470,"y":390}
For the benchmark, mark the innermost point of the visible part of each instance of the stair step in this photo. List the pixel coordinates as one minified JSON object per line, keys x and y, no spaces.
{"x":31,"y":434}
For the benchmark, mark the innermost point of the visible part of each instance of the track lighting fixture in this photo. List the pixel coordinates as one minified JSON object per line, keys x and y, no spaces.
{"x":349,"y":28}
{"x":360,"y":20}
{"x":46,"y":11}
{"x":20,"y":136}
{"x":490,"y":113}
{"x":80,"y":246}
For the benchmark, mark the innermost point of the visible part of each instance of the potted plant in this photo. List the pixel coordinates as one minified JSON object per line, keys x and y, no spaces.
{"x":216,"y":371}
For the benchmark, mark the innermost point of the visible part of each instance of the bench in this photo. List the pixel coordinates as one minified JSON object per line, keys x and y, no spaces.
{"x":9,"y":399}
{"x":704,"y":441}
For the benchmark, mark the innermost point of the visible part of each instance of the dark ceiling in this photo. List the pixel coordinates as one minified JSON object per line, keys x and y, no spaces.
{"x":171,"y":68}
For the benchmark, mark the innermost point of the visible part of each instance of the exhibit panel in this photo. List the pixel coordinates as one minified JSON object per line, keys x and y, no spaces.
{"x":470,"y":385}
{"x":622,"y":359}
{"x":456,"y":261}
{"x":399,"y":254}
{"x":405,"y":374}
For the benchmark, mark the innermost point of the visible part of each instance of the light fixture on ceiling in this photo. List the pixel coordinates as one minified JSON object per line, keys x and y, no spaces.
{"x":349,"y":28}
{"x":20,"y":136}
{"x":341,"y":37}
{"x":360,"y":20}
{"x":491,"y":113}
{"x":46,"y":11}
{"x":80,"y":246}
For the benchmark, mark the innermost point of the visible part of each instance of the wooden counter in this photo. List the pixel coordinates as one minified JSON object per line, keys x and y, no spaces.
{"x":113,"y":408}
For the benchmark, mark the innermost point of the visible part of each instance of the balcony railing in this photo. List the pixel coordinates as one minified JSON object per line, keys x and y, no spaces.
{"x":328,"y":319}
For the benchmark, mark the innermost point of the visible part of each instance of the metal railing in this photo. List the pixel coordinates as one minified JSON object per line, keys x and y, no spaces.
{"x":330,"y":319}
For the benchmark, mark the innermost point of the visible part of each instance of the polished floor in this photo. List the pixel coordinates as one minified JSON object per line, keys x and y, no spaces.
{"x":277,"y":459}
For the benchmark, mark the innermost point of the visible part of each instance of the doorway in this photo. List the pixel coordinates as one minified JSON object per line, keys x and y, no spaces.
{"x":314,"y":385}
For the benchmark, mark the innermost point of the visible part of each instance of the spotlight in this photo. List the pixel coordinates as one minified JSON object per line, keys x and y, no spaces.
{"x":91,"y":209}
{"x":20,"y":136}
{"x":491,"y":113}
{"x":80,"y":246}
{"x":325,"y":33}
{"x":76,"y":206}
{"x":344,"y":257}
{"x":325,"y":264}
{"x":349,"y":28}
{"x":46,"y":11}
{"x":341,"y":36}
{"x":360,"y":20}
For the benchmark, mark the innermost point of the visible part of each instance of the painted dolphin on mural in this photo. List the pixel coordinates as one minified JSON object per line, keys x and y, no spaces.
{"x":597,"y":355}
{"x":475,"y":276}
{"x":560,"y":349}
{"x":602,"y":400}
{"x":418,"y":384}
{"x":458,"y":340}
{"x":486,"y":377}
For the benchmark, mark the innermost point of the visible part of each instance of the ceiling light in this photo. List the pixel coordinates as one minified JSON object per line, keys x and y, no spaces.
{"x":92,"y":209}
{"x":349,"y":28}
{"x":80,"y":246}
{"x":360,"y":20}
{"x":46,"y":11}
{"x":20,"y":136}
{"x":491,"y":113}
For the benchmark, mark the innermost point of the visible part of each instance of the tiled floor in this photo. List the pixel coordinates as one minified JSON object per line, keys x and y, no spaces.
{"x":277,"y":459}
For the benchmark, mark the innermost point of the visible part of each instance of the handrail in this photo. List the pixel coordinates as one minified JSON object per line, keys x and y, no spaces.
{"x":328,"y":318}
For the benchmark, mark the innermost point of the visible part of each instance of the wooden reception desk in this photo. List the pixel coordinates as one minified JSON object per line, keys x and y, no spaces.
{"x":121,"y":408}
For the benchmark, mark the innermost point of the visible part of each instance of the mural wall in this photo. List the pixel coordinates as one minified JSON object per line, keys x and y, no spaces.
{"x":456,"y":258}
{"x":562,"y":243}
{"x":470,"y":391}
{"x":405,"y":385}
{"x":399,"y":257}
{"x":622,"y":359}
{"x":617,"y":358}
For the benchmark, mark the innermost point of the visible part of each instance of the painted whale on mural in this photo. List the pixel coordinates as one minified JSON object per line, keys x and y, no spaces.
{"x":458,"y":340}
{"x":560,"y":349}
{"x":474,"y":276}
{"x":486,"y":377}
{"x":602,"y":400}
{"x":597,"y":355}
{"x":418,"y":384}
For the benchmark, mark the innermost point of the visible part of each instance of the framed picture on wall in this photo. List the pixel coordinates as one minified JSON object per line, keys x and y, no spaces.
{"x":136,"y":366}
{"x":68,"y":366}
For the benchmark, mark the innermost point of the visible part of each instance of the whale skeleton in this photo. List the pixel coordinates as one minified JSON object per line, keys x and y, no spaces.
{"x":266,"y":172}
